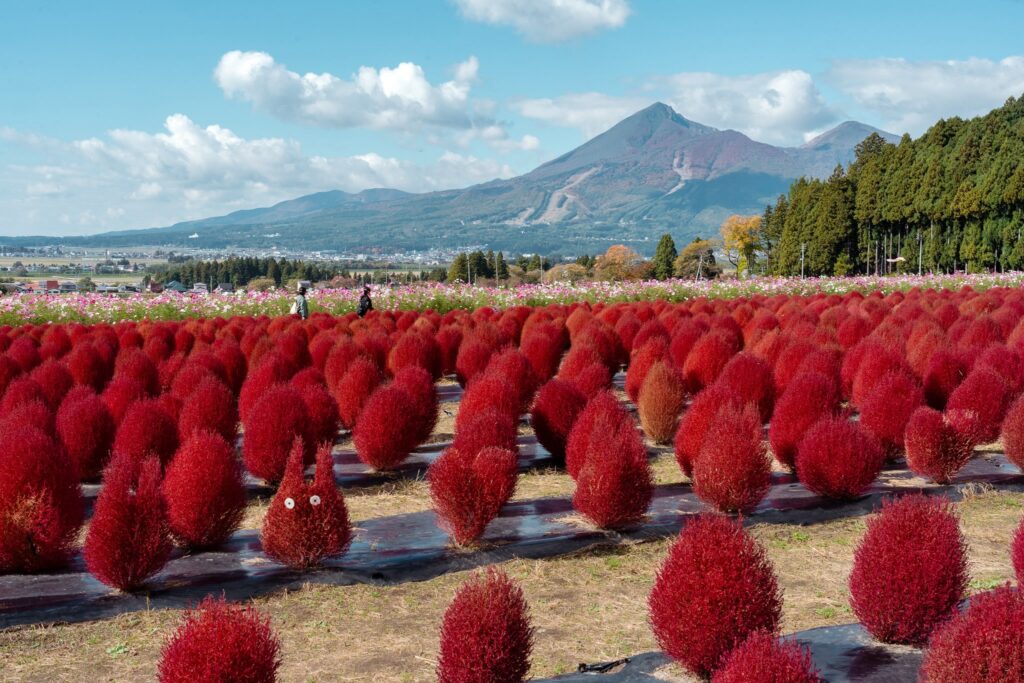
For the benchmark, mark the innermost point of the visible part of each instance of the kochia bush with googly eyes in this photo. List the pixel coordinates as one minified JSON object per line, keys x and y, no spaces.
{"x":306,"y":523}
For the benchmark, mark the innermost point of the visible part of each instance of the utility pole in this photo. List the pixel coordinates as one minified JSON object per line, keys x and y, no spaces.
{"x":700,"y":266}
{"x":920,"y":252}
{"x":803,"y":250}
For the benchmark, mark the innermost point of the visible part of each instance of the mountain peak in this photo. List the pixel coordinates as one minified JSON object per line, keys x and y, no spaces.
{"x":847,"y":135}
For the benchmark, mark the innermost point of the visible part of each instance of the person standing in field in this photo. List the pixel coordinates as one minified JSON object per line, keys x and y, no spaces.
{"x":365,"y":305}
{"x":301,"y":306}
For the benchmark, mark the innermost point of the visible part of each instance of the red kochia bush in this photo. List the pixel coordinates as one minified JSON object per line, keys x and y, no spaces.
{"x":1017,"y":553}
{"x":468,"y":490}
{"x":417,"y":349}
{"x":837,"y":459}
{"x":485,"y":428}
{"x":86,"y":430}
{"x":383,"y":433}
{"x":640,"y":363}
{"x":204,"y":491}
{"x":732,"y":472}
{"x":354,"y":387}
{"x":910,"y":570}
{"x":128,"y":539}
{"x":137,"y":365}
{"x":22,"y":390}
{"x":474,"y":355}
{"x":706,"y":360}
{"x":418,"y":386}
{"x":147,"y":429}
{"x":220,"y":642}
{"x":887,"y":407}
{"x":661,"y":401}
{"x":211,"y":407}
{"x":694,"y":425}
{"x":715,"y":588}
{"x":120,"y":394}
{"x":599,"y":416}
{"x":40,"y":503}
{"x":981,"y":644}
{"x":486,"y":634}
{"x":87,"y":366}
{"x":935,"y":449}
{"x":555,"y":409}
{"x":809,"y":397}
{"x":614,"y":485}
{"x":978,"y":405}
{"x":764,"y":658}
{"x":1013,"y":433}
{"x":270,"y":429}
{"x":749,"y":380}
{"x":54,"y":380}
{"x":306,"y":522}
{"x":945,"y":370}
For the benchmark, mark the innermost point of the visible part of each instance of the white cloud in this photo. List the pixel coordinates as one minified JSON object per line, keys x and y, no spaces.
{"x":549,"y":20}
{"x":590,"y":112}
{"x":132,"y":178}
{"x":399,"y":98}
{"x":912,"y":95}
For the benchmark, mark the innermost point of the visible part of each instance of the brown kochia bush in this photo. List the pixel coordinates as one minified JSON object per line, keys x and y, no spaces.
{"x":128,"y":539}
{"x":219,"y":642}
{"x":614,"y":484}
{"x":910,"y":570}
{"x":554,"y":412}
{"x":661,"y":401}
{"x":486,"y":634}
{"x":306,"y":523}
{"x":732,"y":472}
{"x":40,"y":502}
{"x":468,"y":490}
{"x":715,"y":589}
{"x":837,"y":459}
{"x":204,"y":491}
{"x":981,"y":644}
{"x":935,"y":449}
{"x":1017,"y":553}
{"x":765,"y":659}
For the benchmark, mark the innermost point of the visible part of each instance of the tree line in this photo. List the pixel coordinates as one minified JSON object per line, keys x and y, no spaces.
{"x":953,"y":199}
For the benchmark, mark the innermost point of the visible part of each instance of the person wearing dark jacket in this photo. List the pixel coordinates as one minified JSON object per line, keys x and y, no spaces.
{"x":365,"y":305}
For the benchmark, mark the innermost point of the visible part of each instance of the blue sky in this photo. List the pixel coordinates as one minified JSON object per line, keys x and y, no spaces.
{"x":118,"y":115}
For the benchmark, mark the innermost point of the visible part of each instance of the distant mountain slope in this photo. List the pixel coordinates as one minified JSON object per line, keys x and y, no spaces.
{"x":653,"y":172}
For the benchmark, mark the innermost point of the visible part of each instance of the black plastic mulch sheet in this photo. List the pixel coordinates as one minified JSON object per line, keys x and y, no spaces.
{"x":842,"y":654}
{"x":411,"y":547}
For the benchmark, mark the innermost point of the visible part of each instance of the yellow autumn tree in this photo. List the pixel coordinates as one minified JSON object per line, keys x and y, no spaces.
{"x":740,"y":237}
{"x":619,"y":263}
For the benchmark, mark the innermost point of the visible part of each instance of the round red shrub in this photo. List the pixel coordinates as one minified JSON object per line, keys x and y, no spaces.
{"x":732,"y":471}
{"x":306,"y":523}
{"x":382,"y":433}
{"x":1013,"y":433}
{"x":422,"y":404}
{"x":9,"y":370}
{"x":943,"y":373}
{"x":468,"y":490}
{"x":749,"y":380}
{"x":910,"y":569}
{"x":887,"y":407}
{"x":764,"y":658}
{"x":119,"y":396}
{"x":513,"y":368}
{"x":935,"y":449}
{"x":147,"y":429}
{"x":219,"y":642}
{"x":35,"y":413}
{"x":555,"y":409}
{"x":128,"y":539}
{"x":204,"y":491}
{"x":416,"y":349}
{"x":188,"y":378}
{"x":1006,"y":363}
{"x":589,"y":380}
{"x":487,"y":392}
{"x":474,"y":355}
{"x":86,"y":431}
{"x":485,"y":428}
{"x":614,"y":484}
{"x":694,"y":424}
{"x":22,"y":390}
{"x":354,"y":387}
{"x":273,"y":369}
{"x":715,"y":589}
{"x":809,"y":397}
{"x":86,"y":366}
{"x":661,"y":401}
{"x":40,"y":502}
{"x":25,"y":352}
{"x":976,"y":408}
{"x":600,"y":415}
{"x":135,"y":364}
{"x":270,"y":430}
{"x":838,"y":459}
{"x":685,"y":334}
{"x":706,"y":361}
{"x":640,"y":363}
{"x":981,"y":644}
{"x":486,"y":634}
{"x":877,"y":364}
{"x":211,"y":407}
{"x":448,"y":340}
{"x":321,"y":414}
{"x":54,"y":381}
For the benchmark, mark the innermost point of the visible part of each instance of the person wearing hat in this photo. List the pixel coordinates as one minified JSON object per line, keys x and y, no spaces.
{"x":365,"y":305}
{"x":301,"y":307}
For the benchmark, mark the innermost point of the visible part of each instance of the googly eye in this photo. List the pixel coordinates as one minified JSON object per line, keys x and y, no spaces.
{"x":289,"y":503}
{"x":314,"y":500}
